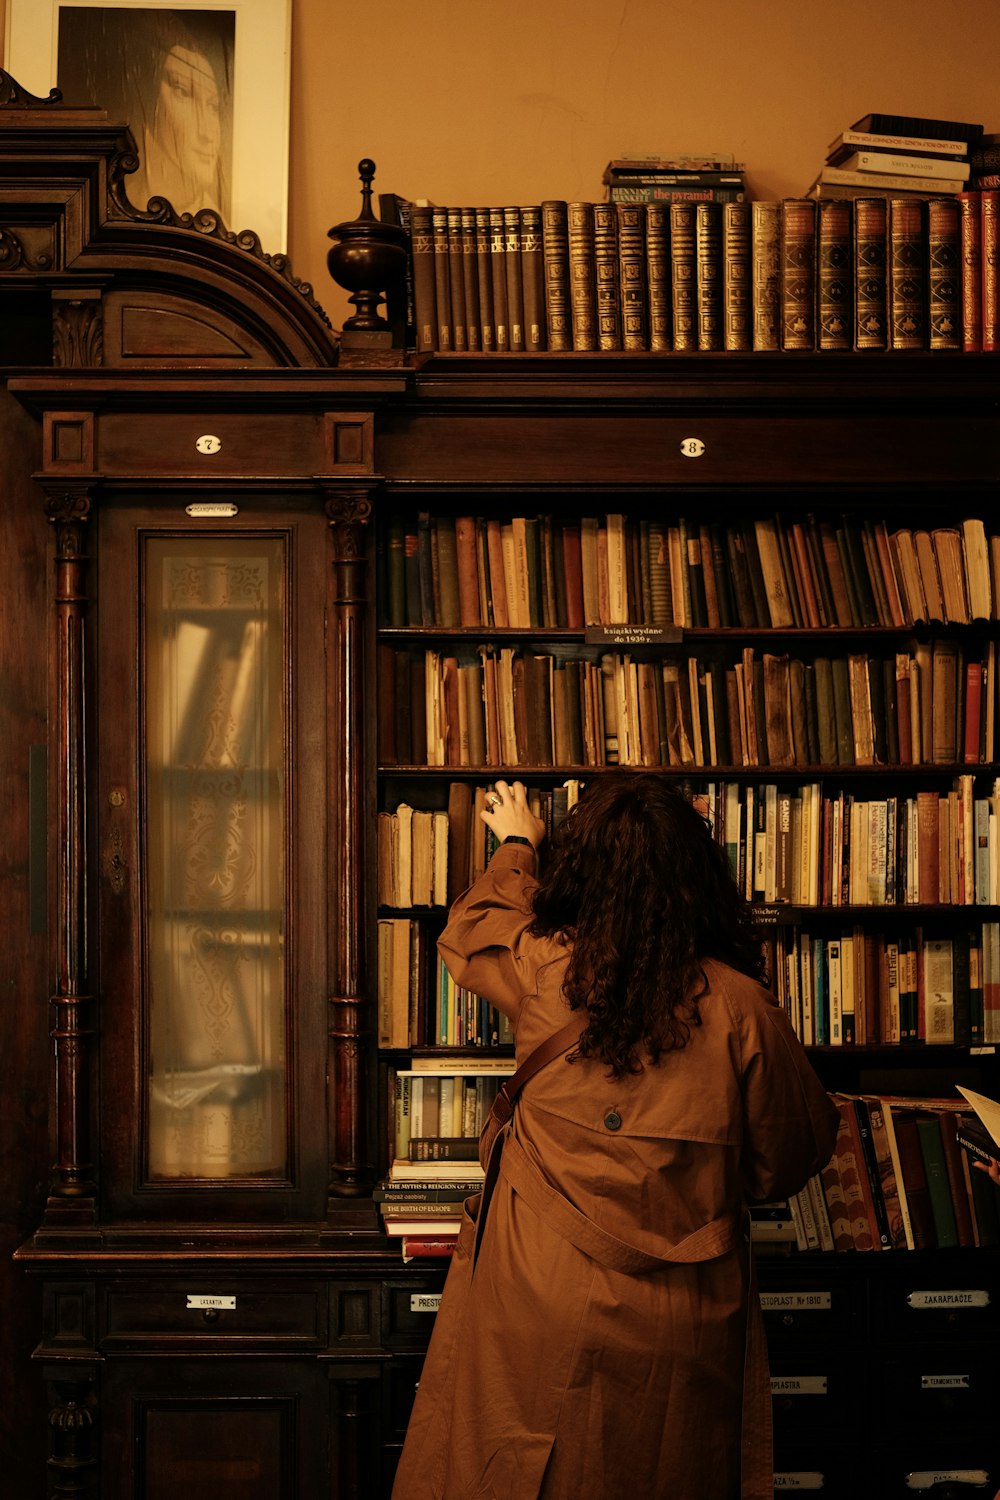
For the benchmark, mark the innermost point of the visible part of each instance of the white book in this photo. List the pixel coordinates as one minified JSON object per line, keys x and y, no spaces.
{"x":939,"y":992}
{"x":884,"y":162}
{"x":854,"y":178}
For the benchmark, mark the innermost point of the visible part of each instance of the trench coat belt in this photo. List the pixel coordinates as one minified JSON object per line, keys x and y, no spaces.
{"x":706,"y":1243}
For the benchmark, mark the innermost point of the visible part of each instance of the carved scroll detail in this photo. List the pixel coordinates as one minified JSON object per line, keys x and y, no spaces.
{"x":78,"y":333}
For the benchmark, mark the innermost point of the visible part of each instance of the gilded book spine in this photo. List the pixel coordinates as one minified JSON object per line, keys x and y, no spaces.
{"x":484,"y":278}
{"x":580,"y":217}
{"x":470,"y":277}
{"x":944,"y":273}
{"x":834,"y":274}
{"x":609,"y":327}
{"x":424,"y":304}
{"x":515,"y":285}
{"x":972,"y":271}
{"x":737,"y":302}
{"x":456,"y":281}
{"x":907,"y":314}
{"x":498,"y":277}
{"x":555,"y":254}
{"x":442,"y":281}
{"x":632,"y":275}
{"x":683,"y":270}
{"x":990,"y":199}
{"x":765,"y":248}
{"x":798,"y":273}
{"x":658,"y":275}
{"x":708,"y":257}
{"x":533,"y":279}
{"x":871,"y":320}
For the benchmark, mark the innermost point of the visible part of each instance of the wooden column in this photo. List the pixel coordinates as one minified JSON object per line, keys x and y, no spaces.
{"x":348,"y":510}
{"x":72,"y":1194}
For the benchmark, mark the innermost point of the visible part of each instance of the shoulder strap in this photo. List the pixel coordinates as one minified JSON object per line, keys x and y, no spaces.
{"x":560,"y":1041}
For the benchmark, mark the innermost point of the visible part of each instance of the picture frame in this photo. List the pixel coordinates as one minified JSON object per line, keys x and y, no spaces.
{"x":222,"y":91}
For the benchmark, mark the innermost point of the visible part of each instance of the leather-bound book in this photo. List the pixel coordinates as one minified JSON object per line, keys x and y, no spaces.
{"x":825,"y":712}
{"x":971,"y":251}
{"x":835,"y":283}
{"x":658,"y":278}
{"x":684,"y":276}
{"x":737,"y":283}
{"x":582,"y":274}
{"x":445,"y":555}
{"x":944,"y":273}
{"x":467,"y":566}
{"x":842,"y":710}
{"x":456,"y":282}
{"x":555,"y":257}
{"x":632,"y":275}
{"x":484,"y":281}
{"x":470,"y":279}
{"x":533,"y":279}
{"x":798,"y":273}
{"x":514,"y":279}
{"x":907,"y":277}
{"x":708,"y":260}
{"x":870,"y":274}
{"x":989,"y":200}
{"x":765,"y":248}
{"x":944,"y":688}
{"x":606,"y":271}
{"x":424,"y":295}
{"x":498,"y":278}
{"x":442,"y":280}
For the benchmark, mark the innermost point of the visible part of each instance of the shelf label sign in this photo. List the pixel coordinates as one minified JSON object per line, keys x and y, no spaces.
{"x":803,"y":1479}
{"x":425,"y":1302}
{"x":216,"y":508}
{"x":197,"y":1300}
{"x":949,"y":1299}
{"x":798,"y":1385}
{"x":944,"y":1382}
{"x":926,"y":1479}
{"x":795,"y":1301}
{"x":633,"y":635}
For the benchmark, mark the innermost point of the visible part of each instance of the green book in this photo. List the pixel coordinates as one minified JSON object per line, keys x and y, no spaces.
{"x":938,"y":1186}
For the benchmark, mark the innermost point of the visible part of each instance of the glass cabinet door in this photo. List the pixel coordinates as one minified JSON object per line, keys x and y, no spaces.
{"x":212,"y":826}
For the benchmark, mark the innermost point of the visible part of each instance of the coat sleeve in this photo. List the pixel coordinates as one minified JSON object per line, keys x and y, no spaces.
{"x":484,"y":945}
{"x":790,"y":1122}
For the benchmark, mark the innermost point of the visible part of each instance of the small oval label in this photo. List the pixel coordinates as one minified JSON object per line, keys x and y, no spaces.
{"x":692,"y":447}
{"x":208,"y":443}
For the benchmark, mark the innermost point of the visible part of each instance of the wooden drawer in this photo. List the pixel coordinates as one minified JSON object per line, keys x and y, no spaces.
{"x":201,"y":1311}
{"x":809,"y":1307}
{"x":937,"y":1303}
{"x":811,"y":1395}
{"x":408,"y":1311}
{"x":936,"y":1387}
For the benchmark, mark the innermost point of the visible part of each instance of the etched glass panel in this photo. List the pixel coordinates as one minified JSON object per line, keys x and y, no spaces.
{"x":216,"y":812}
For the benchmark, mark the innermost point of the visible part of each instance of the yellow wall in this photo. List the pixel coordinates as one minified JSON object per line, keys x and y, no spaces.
{"x":464,"y":101}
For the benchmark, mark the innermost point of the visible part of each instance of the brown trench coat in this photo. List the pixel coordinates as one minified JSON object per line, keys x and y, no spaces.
{"x":601,"y":1341}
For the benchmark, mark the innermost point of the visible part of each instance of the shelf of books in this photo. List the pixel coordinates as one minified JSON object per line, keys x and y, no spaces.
{"x":826,"y":683}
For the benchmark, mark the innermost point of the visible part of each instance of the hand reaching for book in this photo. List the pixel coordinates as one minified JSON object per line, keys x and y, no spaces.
{"x":991,"y":1168}
{"x":507,"y":813}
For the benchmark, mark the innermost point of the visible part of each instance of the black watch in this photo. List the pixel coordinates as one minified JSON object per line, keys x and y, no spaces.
{"x":517,"y":838}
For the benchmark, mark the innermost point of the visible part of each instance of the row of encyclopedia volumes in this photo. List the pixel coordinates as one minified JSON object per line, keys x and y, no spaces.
{"x":451,"y":1105}
{"x":898,"y":1180}
{"x":771,"y":571}
{"x":856,"y":987}
{"x":503,"y":706}
{"x":419,"y":1003}
{"x":831,"y":273}
{"x":794,"y":845}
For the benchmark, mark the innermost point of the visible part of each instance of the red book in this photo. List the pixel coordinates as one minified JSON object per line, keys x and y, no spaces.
{"x":904,"y":727}
{"x":972,"y":266}
{"x":911,"y":1160}
{"x":573,"y":569}
{"x":416,"y":1246}
{"x":990,"y":220}
{"x":973,"y":708}
{"x":853,"y":1177}
{"x":468,"y":571}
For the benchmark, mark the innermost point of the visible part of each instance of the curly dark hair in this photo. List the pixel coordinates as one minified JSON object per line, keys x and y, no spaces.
{"x":638,"y":886}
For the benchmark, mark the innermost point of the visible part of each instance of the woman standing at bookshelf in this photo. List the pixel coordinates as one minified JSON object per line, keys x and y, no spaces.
{"x":601,"y":1334}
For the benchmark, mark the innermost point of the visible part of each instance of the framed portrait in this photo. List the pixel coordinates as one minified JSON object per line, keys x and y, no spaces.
{"x":203,"y":84}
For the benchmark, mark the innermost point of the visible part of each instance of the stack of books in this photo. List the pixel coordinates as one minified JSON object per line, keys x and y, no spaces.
{"x":438,"y":1111}
{"x":893,"y":156}
{"x":714,"y":177}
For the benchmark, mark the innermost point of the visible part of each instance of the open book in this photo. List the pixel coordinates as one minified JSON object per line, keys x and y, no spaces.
{"x":981,"y":1140}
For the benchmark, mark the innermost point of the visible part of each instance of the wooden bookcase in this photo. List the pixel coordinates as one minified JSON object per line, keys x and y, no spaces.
{"x":180,"y":1317}
{"x":881,"y":1360}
